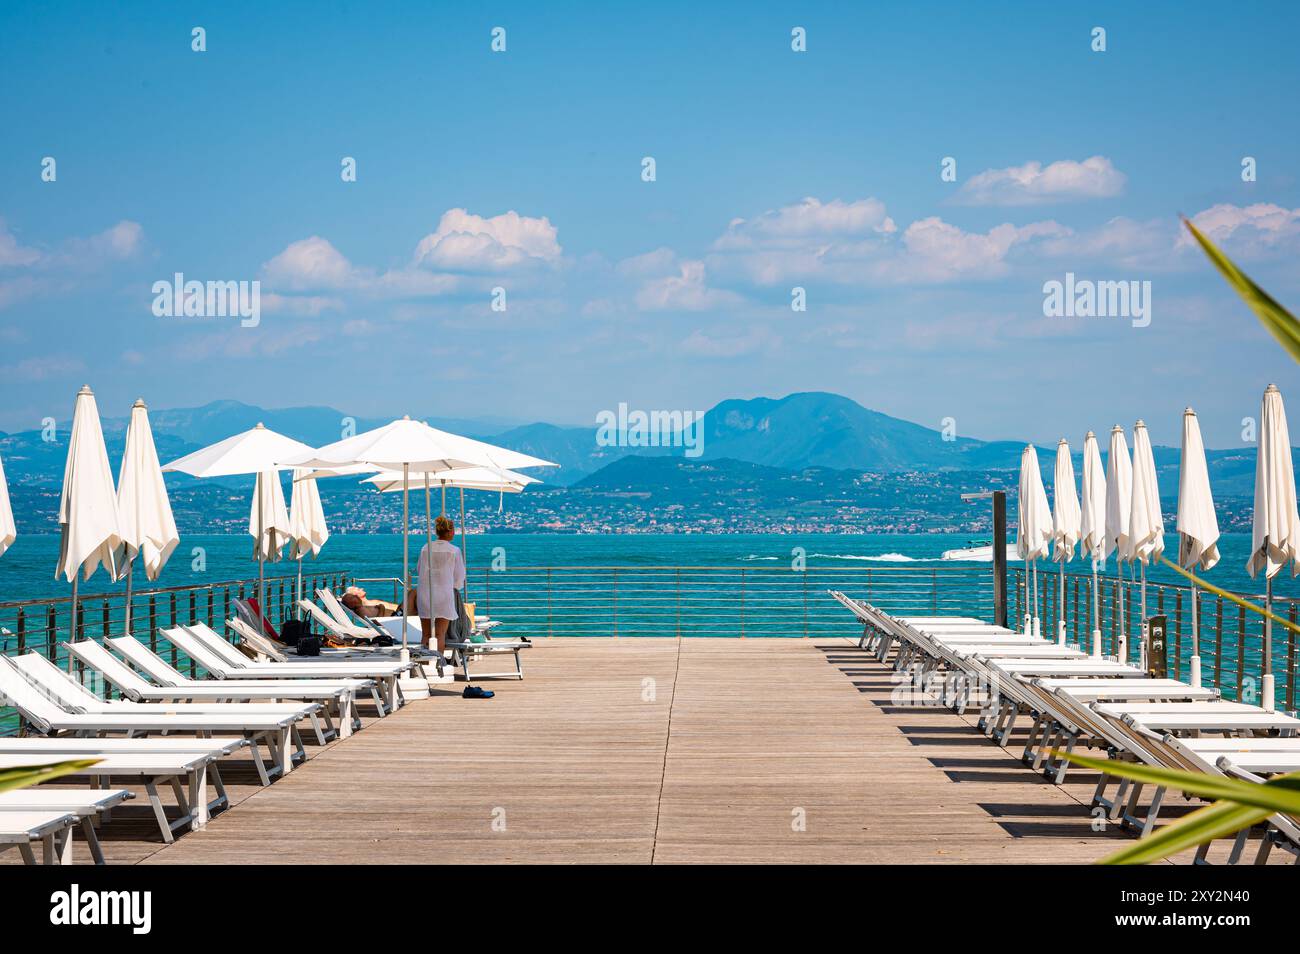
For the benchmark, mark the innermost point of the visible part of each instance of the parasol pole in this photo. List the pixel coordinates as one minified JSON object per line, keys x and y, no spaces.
{"x":1096,"y":611}
{"x":428,"y":543}
{"x":126,"y":620}
{"x":261,"y":550}
{"x":406,"y":551}
{"x":73,"y":635}
{"x":1268,"y":701}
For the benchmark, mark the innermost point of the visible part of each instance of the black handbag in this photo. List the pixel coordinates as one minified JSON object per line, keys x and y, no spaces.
{"x":293,"y":630}
{"x":308,"y":645}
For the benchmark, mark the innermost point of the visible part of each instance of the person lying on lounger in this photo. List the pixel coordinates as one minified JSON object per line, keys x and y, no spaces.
{"x":354,"y":598}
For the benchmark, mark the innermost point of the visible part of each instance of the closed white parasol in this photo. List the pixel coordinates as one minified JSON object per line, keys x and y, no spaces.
{"x":1092,"y":524}
{"x":1275,"y":533}
{"x":144,"y":511}
{"x":1198,"y":527}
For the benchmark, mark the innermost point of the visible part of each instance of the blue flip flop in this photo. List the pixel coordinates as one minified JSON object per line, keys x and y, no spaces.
{"x":474,"y":692}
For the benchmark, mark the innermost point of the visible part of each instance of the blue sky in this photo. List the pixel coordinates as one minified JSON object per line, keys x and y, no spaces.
{"x":522,"y":170}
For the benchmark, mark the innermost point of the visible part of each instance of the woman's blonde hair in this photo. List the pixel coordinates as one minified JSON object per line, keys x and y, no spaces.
{"x":443,"y":527}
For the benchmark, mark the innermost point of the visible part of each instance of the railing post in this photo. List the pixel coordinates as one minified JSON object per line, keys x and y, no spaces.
{"x":1178,"y":632}
{"x":173,"y":612}
{"x":1291,"y":659}
{"x":153,"y":623}
{"x":51,"y":632}
{"x":678,"y":587}
{"x":742,"y":602}
{"x":999,"y":558}
{"x":804,"y":580}
{"x":549,"y":631}
{"x":614,"y":589}
{"x":21,"y":625}
{"x":1218,"y":643}
{"x":1241,"y":648}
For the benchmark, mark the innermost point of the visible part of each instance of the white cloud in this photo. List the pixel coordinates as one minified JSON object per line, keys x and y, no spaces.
{"x":123,"y":241}
{"x":310,"y":264}
{"x":685,"y":291}
{"x":471,"y":243}
{"x":807,"y":220}
{"x":1258,"y":228}
{"x":29,"y":272}
{"x":937,"y":251}
{"x":11,"y":253}
{"x":311,"y":275}
{"x":1121,"y":241}
{"x":857,"y":243}
{"x":1034,"y":184}
{"x":656,"y":264}
{"x":801,"y":241}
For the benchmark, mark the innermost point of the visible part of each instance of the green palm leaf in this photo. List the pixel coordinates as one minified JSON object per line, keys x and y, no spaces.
{"x":1281,"y":794}
{"x":1280,"y":322}
{"x":23,"y":776}
{"x":1203,"y":825}
{"x":1240,"y":804}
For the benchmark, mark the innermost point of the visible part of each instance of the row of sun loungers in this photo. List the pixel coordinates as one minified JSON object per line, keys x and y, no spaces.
{"x":170,"y":731}
{"x":1073,"y":698}
{"x":167,"y":730}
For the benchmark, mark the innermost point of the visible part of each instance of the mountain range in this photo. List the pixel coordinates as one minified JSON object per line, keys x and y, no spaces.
{"x":789,"y":434}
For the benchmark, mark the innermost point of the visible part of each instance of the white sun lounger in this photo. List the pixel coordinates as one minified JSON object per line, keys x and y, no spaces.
{"x":261,"y":649}
{"x":333,"y":618}
{"x":87,"y":806}
{"x":1283,"y":830}
{"x":150,"y":768}
{"x":1116,"y":705}
{"x":465,"y":650}
{"x":200,"y":650}
{"x":48,"y":718}
{"x":161,"y":671}
{"x":386,"y":669}
{"x":73,"y":696}
{"x":334,"y":606}
{"x":132,"y":685}
{"x":346,"y":632}
{"x":1158,"y":733}
{"x":322,"y":667}
{"x":48,"y":829}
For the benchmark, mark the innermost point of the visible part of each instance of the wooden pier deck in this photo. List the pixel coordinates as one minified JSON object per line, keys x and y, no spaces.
{"x":653,"y":751}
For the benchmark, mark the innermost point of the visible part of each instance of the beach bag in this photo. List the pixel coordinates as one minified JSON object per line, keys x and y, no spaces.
{"x":308,"y":645}
{"x":292,"y":630}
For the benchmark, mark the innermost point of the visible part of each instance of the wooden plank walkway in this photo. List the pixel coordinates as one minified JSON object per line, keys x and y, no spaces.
{"x":653,"y":750}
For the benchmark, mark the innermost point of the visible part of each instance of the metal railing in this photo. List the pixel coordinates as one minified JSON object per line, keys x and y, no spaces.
{"x":614,"y":601}
{"x":1230,"y":639}
{"x":42,"y":624}
{"x":726,"y":601}
{"x":744,"y":602}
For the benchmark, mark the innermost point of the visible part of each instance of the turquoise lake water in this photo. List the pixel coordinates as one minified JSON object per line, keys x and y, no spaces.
{"x":27,"y":568}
